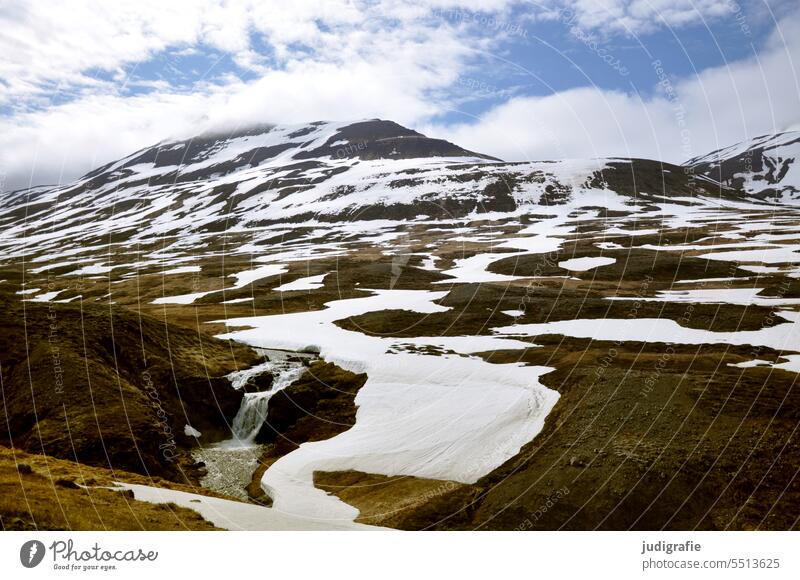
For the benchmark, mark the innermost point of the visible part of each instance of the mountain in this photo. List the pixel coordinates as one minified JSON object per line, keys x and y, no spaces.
{"x":324,"y":172}
{"x":352,"y":323}
{"x":763,"y":167}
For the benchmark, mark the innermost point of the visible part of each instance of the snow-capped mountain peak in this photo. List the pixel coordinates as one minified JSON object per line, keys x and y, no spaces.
{"x":763,"y":167}
{"x":338,"y":172}
{"x":222,"y":153}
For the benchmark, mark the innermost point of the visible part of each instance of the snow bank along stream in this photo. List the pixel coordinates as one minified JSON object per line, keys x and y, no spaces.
{"x":450,"y":417}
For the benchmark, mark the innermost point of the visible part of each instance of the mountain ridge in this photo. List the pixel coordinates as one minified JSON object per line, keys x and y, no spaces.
{"x":325,"y":172}
{"x":762,"y":167}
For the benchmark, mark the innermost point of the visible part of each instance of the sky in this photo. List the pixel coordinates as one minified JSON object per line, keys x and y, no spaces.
{"x":86,"y":82}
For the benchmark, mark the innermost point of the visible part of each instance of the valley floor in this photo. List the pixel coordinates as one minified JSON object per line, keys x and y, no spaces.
{"x":584,"y":368}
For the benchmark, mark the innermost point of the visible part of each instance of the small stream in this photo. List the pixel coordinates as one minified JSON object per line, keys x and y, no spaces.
{"x":253,"y":411}
{"x":230,"y":464}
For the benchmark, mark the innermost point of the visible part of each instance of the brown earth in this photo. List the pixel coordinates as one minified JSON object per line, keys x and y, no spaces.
{"x":110,"y":388}
{"x":647,"y":436}
{"x":393,"y":502}
{"x":44,"y":493}
{"x":644,"y":436}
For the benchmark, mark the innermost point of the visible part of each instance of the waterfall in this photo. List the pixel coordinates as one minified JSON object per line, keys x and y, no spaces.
{"x":251,"y":416}
{"x":255,"y":406}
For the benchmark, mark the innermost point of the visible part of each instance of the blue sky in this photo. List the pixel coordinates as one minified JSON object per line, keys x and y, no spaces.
{"x":85,"y":83}
{"x":548,"y":57}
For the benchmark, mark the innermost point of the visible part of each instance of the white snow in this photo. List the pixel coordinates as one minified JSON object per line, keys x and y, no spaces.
{"x":780,"y":336}
{"x":609,"y":246}
{"x":514,"y":313}
{"x":182,"y":298}
{"x":473,"y":269}
{"x":787,"y":254}
{"x":309,"y":283}
{"x":792,"y":363}
{"x":709,"y":280}
{"x":242,"y":280}
{"x":585,"y":264}
{"x":537,"y":238}
{"x":429,"y":263}
{"x":235,"y":515}
{"x":190,"y":431}
{"x":740,"y":296}
{"x":90,"y":269}
{"x":452,"y":417}
{"x":751,"y":363}
{"x":181,"y":270}
{"x":761,"y":269}
{"x":768,"y":142}
{"x":46,"y":297}
{"x":250,"y":276}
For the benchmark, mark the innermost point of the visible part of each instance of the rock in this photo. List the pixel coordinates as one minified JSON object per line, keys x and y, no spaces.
{"x":67,"y":483}
{"x":24,"y":468}
{"x":575,"y":461}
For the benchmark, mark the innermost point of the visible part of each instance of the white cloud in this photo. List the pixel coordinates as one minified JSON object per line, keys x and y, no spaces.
{"x":720,"y":106}
{"x":50,"y":46}
{"x":379,"y":70}
{"x":340,"y":60}
{"x":640,"y":16}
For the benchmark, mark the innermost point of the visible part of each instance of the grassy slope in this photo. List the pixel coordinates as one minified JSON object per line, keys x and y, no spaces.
{"x":43,"y":493}
{"x":109,"y":387}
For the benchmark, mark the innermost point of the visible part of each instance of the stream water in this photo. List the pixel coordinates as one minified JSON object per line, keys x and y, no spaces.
{"x":253,"y":412}
{"x":230,"y":464}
